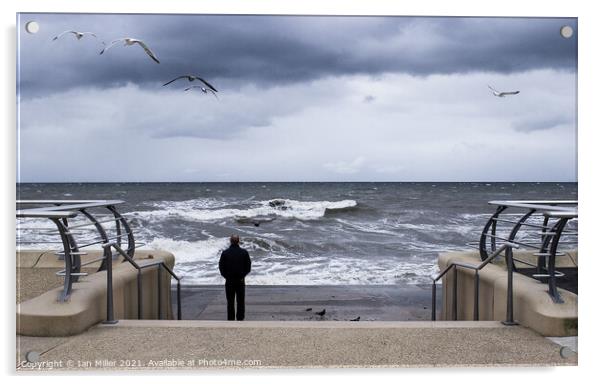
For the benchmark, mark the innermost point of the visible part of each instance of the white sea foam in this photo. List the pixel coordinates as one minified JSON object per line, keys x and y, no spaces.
{"x":189,"y":210}
{"x":440,"y":228}
{"x":333,"y":271}
{"x":202,"y":251}
{"x":202,"y":203}
{"x":36,"y":234}
{"x":296,"y":242}
{"x":367,"y":227}
{"x":197,"y":263}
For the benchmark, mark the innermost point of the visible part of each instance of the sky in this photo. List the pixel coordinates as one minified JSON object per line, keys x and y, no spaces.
{"x":299,"y":98}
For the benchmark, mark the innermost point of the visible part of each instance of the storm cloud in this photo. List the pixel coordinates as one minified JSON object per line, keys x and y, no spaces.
{"x":300,"y":99}
{"x":268,"y":50}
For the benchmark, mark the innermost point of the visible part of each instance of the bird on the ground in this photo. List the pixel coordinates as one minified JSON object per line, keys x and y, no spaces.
{"x":308,"y":309}
{"x":131,"y":41}
{"x":356,"y":319}
{"x":321,"y":313}
{"x":192,"y":78}
{"x":203,"y":89}
{"x":78,"y":35}
{"x":502,"y":94}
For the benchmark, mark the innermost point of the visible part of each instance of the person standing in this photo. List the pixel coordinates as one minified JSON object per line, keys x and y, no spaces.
{"x":234,"y":265}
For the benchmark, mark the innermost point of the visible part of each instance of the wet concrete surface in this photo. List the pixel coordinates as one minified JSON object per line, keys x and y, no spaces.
{"x":299,"y":303}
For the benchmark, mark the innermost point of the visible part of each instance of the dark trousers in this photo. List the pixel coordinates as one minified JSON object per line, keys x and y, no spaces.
{"x":235,"y":289}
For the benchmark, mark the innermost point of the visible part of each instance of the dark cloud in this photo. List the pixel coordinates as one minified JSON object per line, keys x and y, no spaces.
{"x":542,"y":123}
{"x":233,"y":51}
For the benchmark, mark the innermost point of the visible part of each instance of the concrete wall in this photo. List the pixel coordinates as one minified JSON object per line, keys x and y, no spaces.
{"x":533,"y":307}
{"x":44,"y":315}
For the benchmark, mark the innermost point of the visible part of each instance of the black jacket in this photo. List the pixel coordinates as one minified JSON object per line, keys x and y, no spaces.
{"x":235,"y":263}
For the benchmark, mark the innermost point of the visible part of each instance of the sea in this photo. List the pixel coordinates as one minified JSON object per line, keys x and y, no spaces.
{"x":296,"y":233}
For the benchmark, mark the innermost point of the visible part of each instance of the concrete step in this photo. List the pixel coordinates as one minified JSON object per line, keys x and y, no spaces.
{"x":152,"y":344}
{"x":304,"y":324}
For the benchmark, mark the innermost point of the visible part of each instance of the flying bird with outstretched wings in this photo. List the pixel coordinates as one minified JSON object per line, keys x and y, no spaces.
{"x":127,"y":41}
{"x":203,"y":89}
{"x":502,"y":94}
{"x":193,"y":78}
{"x":78,"y":35}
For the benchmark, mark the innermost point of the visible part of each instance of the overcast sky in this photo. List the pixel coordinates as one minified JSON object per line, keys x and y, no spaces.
{"x":300,"y":99}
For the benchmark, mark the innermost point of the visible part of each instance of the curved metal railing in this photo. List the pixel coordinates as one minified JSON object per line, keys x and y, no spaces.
{"x":555,"y":215}
{"x":60,"y":212}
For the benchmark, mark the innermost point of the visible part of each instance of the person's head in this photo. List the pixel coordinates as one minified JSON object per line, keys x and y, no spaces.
{"x":234,"y":240}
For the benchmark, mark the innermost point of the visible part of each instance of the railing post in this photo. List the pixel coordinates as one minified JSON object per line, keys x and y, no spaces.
{"x":159,"y":291}
{"x":68,"y":282}
{"x":509,"y":299}
{"x":179,"y":302}
{"x":76,"y":262}
{"x":476,"y":295}
{"x":455,"y":295}
{"x":108,"y":257}
{"x":126,"y":227}
{"x":514,"y":232}
{"x":491,"y":223}
{"x":101,"y":232}
{"x":139,"y":282}
{"x":552,"y":289}
{"x":434,"y":302}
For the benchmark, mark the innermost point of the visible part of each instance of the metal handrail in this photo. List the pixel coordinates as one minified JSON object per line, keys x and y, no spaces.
{"x":62,"y":205}
{"x":476,"y":269}
{"x":521,"y":243}
{"x":552,"y":205}
{"x":33,"y":213}
{"x":102,"y":241}
{"x":91,"y":224}
{"x":139,"y":268}
{"x":60,"y":211}
{"x":555,"y":213}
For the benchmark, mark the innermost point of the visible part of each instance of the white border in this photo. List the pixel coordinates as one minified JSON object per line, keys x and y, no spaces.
{"x":588,"y":152}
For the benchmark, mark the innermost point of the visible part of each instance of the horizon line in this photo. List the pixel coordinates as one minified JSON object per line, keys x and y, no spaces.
{"x":273,"y":182}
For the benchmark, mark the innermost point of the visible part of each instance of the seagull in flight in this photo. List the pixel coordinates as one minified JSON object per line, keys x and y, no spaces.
{"x":77,"y":34}
{"x":203,"y":89}
{"x":193,"y":78}
{"x":130,"y":41}
{"x":502,"y":94}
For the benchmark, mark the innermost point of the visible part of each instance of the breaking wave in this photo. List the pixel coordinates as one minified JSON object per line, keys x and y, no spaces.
{"x":210,"y":210}
{"x":311,"y":233}
{"x":197,"y":263}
